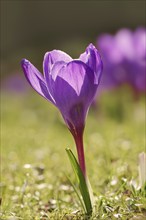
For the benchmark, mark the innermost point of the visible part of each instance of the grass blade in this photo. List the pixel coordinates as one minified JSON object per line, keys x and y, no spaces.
{"x":81,"y":181}
{"x":76,"y":191}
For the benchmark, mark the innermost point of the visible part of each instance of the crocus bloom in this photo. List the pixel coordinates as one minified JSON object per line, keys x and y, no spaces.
{"x":124,"y":57}
{"x":70,"y":84}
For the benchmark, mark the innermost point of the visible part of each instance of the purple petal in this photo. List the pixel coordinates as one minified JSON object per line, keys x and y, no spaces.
{"x":140,"y":43}
{"x":50,"y":77}
{"x":137,"y":76}
{"x":92,"y":58}
{"x":74,"y":74}
{"x":124,"y":43}
{"x":35,"y":79}
{"x":53,"y":60}
{"x":73,"y":91}
{"x":108,"y":49}
{"x":52,"y":57}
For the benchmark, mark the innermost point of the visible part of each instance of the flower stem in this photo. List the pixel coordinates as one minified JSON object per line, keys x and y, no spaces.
{"x":80,"y":150}
{"x":77,"y":133}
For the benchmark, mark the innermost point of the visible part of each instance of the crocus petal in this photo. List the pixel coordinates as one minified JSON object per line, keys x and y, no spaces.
{"x":92,"y":58}
{"x":35,"y":79}
{"x":50,"y":77}
{"x":74,"y":74}
{"x":52,"y":57}
{"x":124,"y":43}
{"x":138,"y":76}
{"x":108,"y":49}
{"x":140,"y":44}
{"x":73,"y":91}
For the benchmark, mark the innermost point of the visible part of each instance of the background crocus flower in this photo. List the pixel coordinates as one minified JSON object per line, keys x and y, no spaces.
{"x":124,"y":57}
{"x":14,"y":83}
{"x":70,"y":85}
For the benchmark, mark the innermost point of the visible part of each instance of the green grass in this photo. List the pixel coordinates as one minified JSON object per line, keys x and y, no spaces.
{"x":34,"y":162}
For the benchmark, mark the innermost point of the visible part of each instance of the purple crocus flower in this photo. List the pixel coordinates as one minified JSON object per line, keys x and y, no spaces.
{"x":124,"y":57}
{"x":70,"y":84}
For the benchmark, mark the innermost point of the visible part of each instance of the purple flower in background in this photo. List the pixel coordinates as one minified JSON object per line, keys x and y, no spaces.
{"x":15,"y":83}
{"x":70,"y":85}
{"x":124,"y":58}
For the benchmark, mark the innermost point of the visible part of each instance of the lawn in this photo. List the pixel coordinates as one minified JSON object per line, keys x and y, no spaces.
{"x":35,"y":165}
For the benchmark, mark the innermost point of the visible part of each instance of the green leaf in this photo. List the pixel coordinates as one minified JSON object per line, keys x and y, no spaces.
{"x":76,"y":191}
{"x":81,"y":181}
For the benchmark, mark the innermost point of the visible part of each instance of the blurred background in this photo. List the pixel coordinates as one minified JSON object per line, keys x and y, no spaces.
{"x":33,"y":133}
{"x":30,"y":28}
